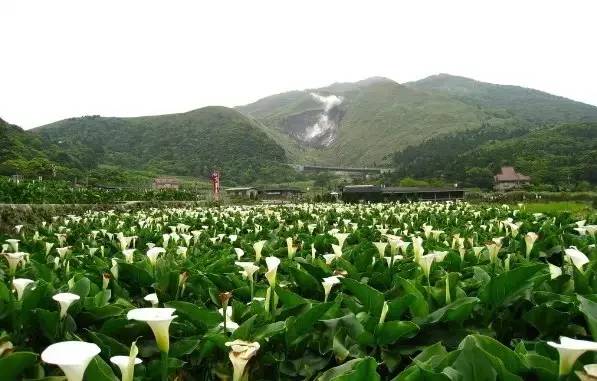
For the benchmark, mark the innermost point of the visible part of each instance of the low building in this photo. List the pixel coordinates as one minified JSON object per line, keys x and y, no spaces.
{"x":241,"y":192}
{"x":510,"y":179}
{"x":166,"y":183}
{"x":280,"y":193}
{"x":374,"y":193}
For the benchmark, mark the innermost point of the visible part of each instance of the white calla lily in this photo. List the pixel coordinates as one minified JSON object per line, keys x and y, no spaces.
{"x":570,"y":350}
{"x":19,"y":285}
{"x":72,"y":357}
{"x":272,"y":269}
{"x":159,"y":320}
{"x":578,"y":258}
{"x":240,"y":354}
{"x":65,"y":299}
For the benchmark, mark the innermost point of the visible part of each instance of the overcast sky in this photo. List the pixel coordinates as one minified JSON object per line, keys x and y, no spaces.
{"x":60,"y":59}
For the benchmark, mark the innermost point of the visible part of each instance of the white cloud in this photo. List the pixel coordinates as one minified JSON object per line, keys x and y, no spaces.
{"x":66,"y":58}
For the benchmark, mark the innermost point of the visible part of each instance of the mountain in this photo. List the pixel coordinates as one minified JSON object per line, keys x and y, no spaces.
{"x":22,"y":152}
{"x":361,"y":123}
{"x":522,"y":103}
{"x":559,"y":155}
{"x":192,"y":143}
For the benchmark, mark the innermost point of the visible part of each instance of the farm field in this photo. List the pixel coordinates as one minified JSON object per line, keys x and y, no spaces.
{"x":416,"y":291}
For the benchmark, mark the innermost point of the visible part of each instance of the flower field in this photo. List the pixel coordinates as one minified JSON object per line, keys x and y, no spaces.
{"x":417,"y":291}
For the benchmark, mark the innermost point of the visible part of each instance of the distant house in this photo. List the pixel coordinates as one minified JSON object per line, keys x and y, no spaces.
{"x":510,"y":179}
{"x":280,"y":193}
{"x":374,"y":193}
{"x":166,"y":183}
{"x":242,"y":192}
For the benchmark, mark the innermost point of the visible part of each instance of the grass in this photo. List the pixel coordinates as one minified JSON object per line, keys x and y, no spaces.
{"x":577,"y":208}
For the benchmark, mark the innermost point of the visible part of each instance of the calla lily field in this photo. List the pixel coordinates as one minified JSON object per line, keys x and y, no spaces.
{"x":314,"y":291}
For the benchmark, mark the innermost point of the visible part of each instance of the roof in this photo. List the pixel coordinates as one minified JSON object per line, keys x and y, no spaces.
{"x":239,"y":189}
{"x":281,"y":189}
{"x":510,"y":174}
{"x":395,"y":190}
{"x":166,"y":180}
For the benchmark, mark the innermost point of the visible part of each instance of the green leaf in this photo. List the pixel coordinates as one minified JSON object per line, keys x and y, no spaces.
{"x":392,"y":331}
{"x":419,"y":307}
{"x":98,"y":370}
{"x":81,"y":287}
{"x":200,"y":317}
{"x":369,"y":297}
{"x":357,"y":369}
{"x":269,"y":330}
{"x":306,"y":282}
{"x":507,"y":286}
{"x":14,"y":364}
{"x":457,"y":311}
{"x":589,"y":309}
{"x":301,"y":325}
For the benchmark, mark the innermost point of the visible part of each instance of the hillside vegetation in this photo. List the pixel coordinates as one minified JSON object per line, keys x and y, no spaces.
{"x":557,"y":155}
{"x":192,"y":143}
{"x":522,"y":103}
{"x":377,"y":116}
{"x":24,"y":153}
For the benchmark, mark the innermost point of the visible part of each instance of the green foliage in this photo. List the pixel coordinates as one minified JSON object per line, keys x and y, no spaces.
{"x":558,"y":155}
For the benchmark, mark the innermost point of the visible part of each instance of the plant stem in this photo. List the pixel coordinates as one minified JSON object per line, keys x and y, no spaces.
{"x":164,"y":365}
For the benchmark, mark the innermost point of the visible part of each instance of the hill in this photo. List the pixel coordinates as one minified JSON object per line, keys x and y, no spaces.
{"x":191,"y":143}
{"x":558,"y":155}
{"x":522,"y":103}
{"x":22,"y":152}
{"x":361,"y":123}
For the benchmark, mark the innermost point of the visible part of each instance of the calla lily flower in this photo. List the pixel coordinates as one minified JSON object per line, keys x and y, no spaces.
{"x":128,"y":255}
{"x":230,"y":325}
{"x":72,"y":357}
{"x":13,"y":259}
{"x":381,"y":248}
{"x":65,"y":299}
{"x":126,"y":364}
{"x":272,"y":269}
{"x":578,"y":258}
{"x":329,"y":258}
{"x":529,"y":240}
{"x":554,"y":271}
{"x":591,"y":370}
{"x":14,"y":244}
{"x":570,"y":350}
{"x":239,"y":253}
{"x":159,"y":320}
{"x":240,"y":354}
{"x":341,"y":237}
{"x":153,"y":253}
{"x":258,"y":247}
{"x":328,"y":283}
{"x":152,"y":298}
{"x":291,"y":248}
{"x":19,"y":285}
{"x":249,"y":267}
{"x":123,"y":363}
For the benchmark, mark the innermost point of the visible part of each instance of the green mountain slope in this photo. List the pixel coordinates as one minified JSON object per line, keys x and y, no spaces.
{"x":24,"y":153}
{"x":522,"y":103}
{"x":192,"y":143}
{"x":374,"y":118}
{"x":556,"y":155}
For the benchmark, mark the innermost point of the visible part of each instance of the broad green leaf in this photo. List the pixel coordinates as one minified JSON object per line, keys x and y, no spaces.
{"x":457,"y":311}
{"x":14,"y":364}
{"x":369,"y":297}
{"x":505,"y":287}
{"x":302,"y":324}
{"x":199,"y":316}
{"x":98,"y":370}
{"x":357,"y":369}
{"x":589,"y":309}
{"x":392,"y":331}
